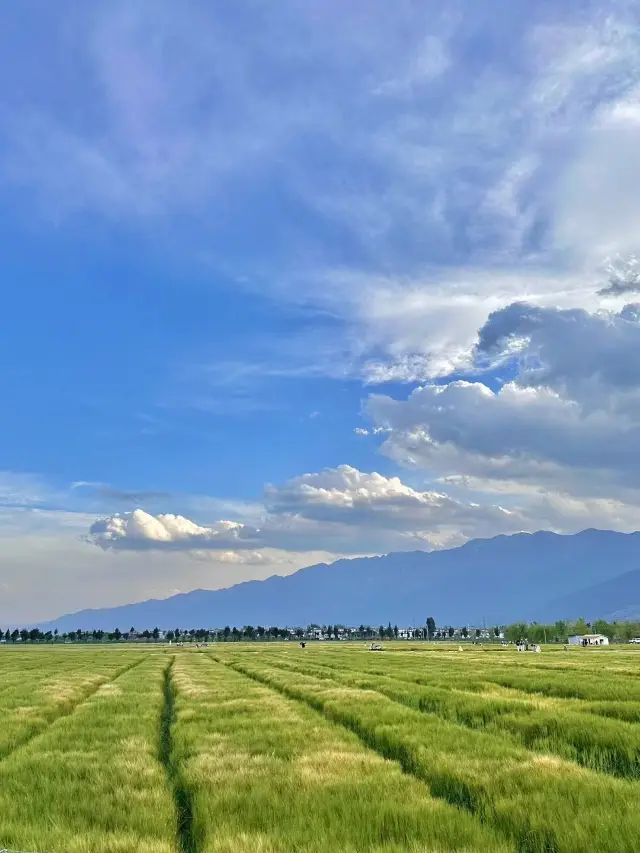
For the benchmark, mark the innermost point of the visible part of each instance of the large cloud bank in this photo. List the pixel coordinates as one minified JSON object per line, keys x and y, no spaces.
{"x":566,"y":419}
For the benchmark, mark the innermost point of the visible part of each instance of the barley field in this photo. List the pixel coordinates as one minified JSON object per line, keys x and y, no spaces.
{"x":272,"y":748}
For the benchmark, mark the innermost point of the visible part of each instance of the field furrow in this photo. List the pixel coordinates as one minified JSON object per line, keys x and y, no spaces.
{"x":539,"y":801}
{"x":558,"y":727}
{"x":265,"y":773}
{"x":93,"y":781}
{"x":34,"y":695}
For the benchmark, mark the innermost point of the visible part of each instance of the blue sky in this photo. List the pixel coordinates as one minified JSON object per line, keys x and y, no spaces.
{"x":286,"y":282}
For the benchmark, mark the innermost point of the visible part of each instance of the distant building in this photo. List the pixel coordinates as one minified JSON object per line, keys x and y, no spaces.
{"x":588,"y":640}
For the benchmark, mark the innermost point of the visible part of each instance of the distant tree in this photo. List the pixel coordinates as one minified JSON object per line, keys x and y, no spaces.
{"x":117,"y":635}
{"x":55,"y":635}
{"x":14,"y":635}
{"x":451,"y":631}
{"x":515,"y":632}
{"x":249,"y":632}
{"x":260,"y":631}
{"x":381,"y":632}
{"x":48,"y":637}
{"x":431,"y":627}
{"x":177,"y":634}
{"x":496,"y":631}
{"x":395,"y":631}
{"x":132,"y":630}
{"x":478,"y":632}
{"x":7,"y":635}
{"x":34,"y":635}
{"x":579,"y":627}
{"x":627,"y":630}
{"x":465,"y":632}
{"x":156,"y":634}
{"x":299,"y":633}
{"x":78,"y":635}
{"x":24,"y":635}
{"x":170,"y":636}
{"x":560,"y":631}
{"x":601,"y":626}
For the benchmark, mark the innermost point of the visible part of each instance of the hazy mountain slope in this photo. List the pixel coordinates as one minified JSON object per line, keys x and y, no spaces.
{"x":526,"y":576}
{"x":618,"y":598}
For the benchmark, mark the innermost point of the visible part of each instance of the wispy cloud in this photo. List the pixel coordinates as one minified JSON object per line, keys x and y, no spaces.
{"x":385,"y":158}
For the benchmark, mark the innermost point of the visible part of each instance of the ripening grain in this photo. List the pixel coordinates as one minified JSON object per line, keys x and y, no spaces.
{"x":267,"y":774}
{"x":93,"y":782}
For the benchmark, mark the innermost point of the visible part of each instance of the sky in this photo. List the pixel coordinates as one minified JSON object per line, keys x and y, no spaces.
{"x":288,"y":282}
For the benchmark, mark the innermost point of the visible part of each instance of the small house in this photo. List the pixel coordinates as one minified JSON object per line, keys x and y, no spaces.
{"x":588,"y":640}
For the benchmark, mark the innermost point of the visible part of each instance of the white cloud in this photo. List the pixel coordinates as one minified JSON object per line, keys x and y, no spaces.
{"x":140,"y":530}
{"x":339,"y":510}
{"x":48,"y":568}
{"x":568,"y":421}
{"x":474,"y":183}
{"x":348,"y":496}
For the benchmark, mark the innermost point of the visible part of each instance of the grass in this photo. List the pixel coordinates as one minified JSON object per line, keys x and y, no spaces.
{"x":92,"y":781}
{"x":547,"y":725}
{"x":269,"y":748}
{"x":37,"y":687}
{"x":267,"y":773}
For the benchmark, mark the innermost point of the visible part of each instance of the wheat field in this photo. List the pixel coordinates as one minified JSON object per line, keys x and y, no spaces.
{"x":272,"y":748}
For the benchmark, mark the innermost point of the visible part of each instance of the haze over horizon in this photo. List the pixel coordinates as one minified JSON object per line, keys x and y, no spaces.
{"x":294,"y":282}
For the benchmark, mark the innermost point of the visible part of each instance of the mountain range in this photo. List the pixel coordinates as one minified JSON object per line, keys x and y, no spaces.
{"x":541,"y":576}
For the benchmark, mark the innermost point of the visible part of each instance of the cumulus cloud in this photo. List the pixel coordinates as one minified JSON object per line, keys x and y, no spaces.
{"x":341,"y":510}
{"x":349,"y":496}
{"x":569,"y":418}
{"x":623,"y":276}
{"x":139,"y":530}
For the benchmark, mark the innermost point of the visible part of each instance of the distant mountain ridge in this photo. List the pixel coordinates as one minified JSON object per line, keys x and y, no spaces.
{"x":541,"y":576}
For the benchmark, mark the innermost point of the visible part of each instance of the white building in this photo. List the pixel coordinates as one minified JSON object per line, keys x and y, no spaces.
{"x":588,"y":640}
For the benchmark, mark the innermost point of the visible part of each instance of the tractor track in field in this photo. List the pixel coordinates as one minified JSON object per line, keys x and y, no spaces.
{"x":182,"y":798}
{"x":66,"y":711}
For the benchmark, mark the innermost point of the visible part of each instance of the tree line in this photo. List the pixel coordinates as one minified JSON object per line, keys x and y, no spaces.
{"x":560,"y":631}
{"x":535,"y":632}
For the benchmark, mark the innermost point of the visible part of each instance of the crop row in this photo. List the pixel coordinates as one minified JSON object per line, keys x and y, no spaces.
{"x":558,"y":727}
{"x":582,"y":677}
{"x":539,"y":802}
{"x":265,"y":773}
{"x":93,"y":780}
{"x":35,"y":692}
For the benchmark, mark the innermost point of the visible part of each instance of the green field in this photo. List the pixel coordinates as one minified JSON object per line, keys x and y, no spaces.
{"x":270,"y":748}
